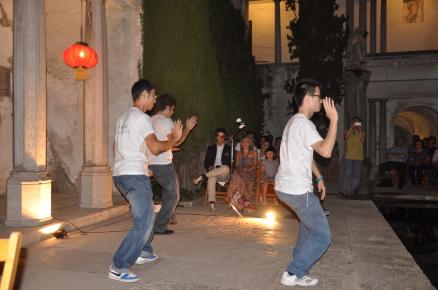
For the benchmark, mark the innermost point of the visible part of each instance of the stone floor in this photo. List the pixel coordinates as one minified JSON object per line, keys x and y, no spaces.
{"x":220,"y":251}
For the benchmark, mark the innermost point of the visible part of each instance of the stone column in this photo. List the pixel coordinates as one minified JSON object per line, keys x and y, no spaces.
{"x":29,"y":188}
{"x":373,"y":23}
{"x":372,"y":144}
{"x":244,"y":10}
{"x":350,"y":15}
{"x":355,"y":100}
{"x":95,"y":175}
{"x":382,"y":130}
{"x":277,"y":33}
{"x":363,"y":15}
{"x":382,"y":26}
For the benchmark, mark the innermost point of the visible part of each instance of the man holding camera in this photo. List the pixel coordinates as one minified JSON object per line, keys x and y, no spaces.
{"x":353,"y":159}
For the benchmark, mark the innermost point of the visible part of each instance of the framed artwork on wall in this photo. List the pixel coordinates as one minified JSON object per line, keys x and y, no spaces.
{"x":413,"y":11}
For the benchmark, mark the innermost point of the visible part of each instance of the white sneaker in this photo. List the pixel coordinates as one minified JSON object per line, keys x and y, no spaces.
{"x":212,"y":208}
{"x":143,"y":260}
{"x":122,"y":275}
{"x":292,"y":280}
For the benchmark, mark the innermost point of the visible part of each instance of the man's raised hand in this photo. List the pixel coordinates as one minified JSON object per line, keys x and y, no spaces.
{"x":191,"y":122}
{"x":177,"y":130}
{"x":330,"y":109}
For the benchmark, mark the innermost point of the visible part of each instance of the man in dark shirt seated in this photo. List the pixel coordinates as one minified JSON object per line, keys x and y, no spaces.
{"x":217,"y":164}
{"x":396,"y":159}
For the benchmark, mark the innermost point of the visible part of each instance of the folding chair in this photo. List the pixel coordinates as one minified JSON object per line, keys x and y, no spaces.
{"x":10,"y":254}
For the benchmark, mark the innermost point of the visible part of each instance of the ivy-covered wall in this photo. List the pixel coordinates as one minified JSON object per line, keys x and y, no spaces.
{"x":197,"y":51}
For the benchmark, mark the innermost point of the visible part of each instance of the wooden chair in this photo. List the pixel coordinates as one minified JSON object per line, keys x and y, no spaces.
{"x":270,"y":194}
{"x":221,"y":193}
{"x":10,"y":254}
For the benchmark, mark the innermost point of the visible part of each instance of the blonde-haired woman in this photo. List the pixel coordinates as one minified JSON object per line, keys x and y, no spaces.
{"x":246,"y":163}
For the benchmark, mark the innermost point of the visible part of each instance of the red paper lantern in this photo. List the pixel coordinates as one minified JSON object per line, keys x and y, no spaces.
{"x":80,"y":57}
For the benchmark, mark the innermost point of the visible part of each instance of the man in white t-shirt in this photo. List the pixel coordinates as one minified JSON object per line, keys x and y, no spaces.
{"x":293,"y":182}
{"x":161,"y":165}
{"x":134,"y":133}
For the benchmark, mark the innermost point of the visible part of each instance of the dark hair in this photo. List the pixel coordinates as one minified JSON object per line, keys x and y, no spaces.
{"x":304,"y":87}
{"x":163,"y":101}
{"x":271,"y":149}
{"x":415,"y":138}
{"x":220,"y":130}
{"x":139,"y":86}
{"x":356,"y":118}
{"x":419,"y":141}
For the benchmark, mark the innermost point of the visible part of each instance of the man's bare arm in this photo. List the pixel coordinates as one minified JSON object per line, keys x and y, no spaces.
{"x":190,"y":124}
{"x":325,"y":147}
{"x":156,"y":147}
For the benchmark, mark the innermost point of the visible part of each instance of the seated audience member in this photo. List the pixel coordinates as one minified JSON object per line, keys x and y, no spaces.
{"x":217,"y":163}
{"x":264,"y":144}
{"x":417,"y":163}
{"x":433,"y":169}
{"x":396,"y":157}
{"x":246,"y":163}
{"x":430,"y":148}
{"x":237,"y":193}
{"x":411,"y":146}
{"x":248,"y":134}
{"x":268,"y":169}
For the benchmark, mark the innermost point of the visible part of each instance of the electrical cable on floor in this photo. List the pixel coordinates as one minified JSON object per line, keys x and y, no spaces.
{"x":90,"y":231}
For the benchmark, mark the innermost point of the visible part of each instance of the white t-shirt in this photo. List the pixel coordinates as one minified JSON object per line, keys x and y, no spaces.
{"x":296,"y":154}
{"x":132,"y":128}
{"x":162,"y":126}
{"x":218,"y":159}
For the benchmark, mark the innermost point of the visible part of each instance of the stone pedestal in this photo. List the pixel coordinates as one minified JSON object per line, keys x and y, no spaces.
{"x":96,"y":187}
{"x":29,"y":199}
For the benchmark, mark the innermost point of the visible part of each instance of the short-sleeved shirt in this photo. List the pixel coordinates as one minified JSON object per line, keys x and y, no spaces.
{"x":162,"y":126}
{"x":354,"y":147}
{"x":296,"y":154}
{"x":132,"y":128}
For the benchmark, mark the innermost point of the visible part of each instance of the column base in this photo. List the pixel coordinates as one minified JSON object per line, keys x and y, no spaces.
{"x":96,"y":187}
{"x":29,"y":199}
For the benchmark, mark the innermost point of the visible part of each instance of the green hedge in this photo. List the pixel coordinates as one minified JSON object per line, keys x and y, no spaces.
{"x":197,"y":51}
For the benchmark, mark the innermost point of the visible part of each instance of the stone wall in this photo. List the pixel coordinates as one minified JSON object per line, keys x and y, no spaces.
{"x":65,"y":94}
{"x":6,"y":105}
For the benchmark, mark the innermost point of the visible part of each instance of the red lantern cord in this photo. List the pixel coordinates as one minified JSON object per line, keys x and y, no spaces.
{"x":80,"y":57}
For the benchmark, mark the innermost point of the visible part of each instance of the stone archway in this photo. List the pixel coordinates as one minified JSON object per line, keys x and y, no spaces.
{"x":418,"y":120}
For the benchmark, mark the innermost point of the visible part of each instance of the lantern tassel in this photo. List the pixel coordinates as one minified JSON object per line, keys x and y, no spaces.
{"x":81,"y":74}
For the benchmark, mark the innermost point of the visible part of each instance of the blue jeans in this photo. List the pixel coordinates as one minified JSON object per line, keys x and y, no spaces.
{"x":138,"y":191}
{"x":350,"y":179}
{"x":314,"y":236}
{"x":166,"y":176}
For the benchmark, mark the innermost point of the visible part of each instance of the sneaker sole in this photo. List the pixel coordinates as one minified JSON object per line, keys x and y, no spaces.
{"x":117,"y":278}
{"x":297,"y":284}
{"x":142,"y":262}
